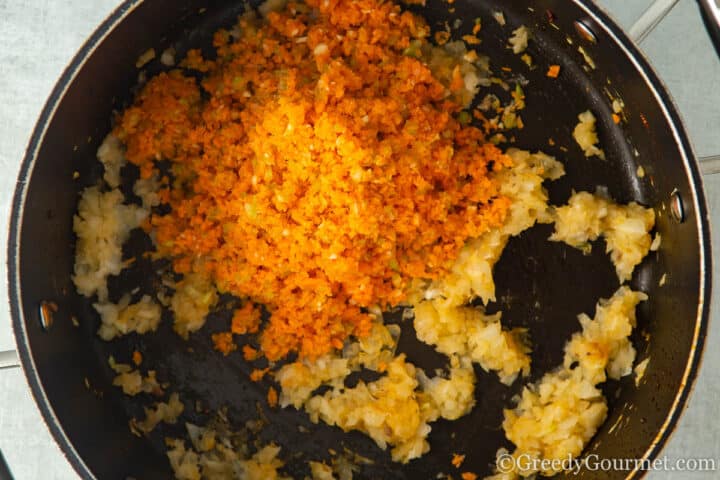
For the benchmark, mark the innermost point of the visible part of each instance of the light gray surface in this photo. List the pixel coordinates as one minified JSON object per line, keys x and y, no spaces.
{"x":38,"y":39}
{"x":682,"y":54}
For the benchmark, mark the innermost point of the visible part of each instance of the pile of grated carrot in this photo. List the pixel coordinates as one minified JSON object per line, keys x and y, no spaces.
{"x":316,"y":168}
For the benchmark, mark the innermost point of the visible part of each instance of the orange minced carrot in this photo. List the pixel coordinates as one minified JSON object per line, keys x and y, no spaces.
{"x":280,"y":195}
{"x":272,"y":397}
{"x":127,"y":263}
{"x":442,"y":37}
{"x":137,"y":358}
{"x":258,"y":374}
{"x":468,"y":476}
{"x":223,"y":342}
{"x":458,"y":82}
{"x":145,"y":225}
{"x":644,"y":120}
{"x":553,"y":71}
{"x":616,"y":118}
{"x":457,"y":460}
{"x":250,"y":353}
{"x":246,"y":320}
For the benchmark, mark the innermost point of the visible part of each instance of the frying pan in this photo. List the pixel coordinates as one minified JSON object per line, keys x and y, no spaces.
{"x":541,"y":285}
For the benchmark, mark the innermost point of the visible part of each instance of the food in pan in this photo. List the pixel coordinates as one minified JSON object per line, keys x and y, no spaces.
{"x":323,"y":167}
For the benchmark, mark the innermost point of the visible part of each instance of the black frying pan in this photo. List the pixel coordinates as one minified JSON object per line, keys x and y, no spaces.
{"x":91,"y":424}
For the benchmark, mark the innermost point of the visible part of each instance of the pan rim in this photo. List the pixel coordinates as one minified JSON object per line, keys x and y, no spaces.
{"x":689,"y":160}
{"x":601,"y":18}
{"x":13,"y":250}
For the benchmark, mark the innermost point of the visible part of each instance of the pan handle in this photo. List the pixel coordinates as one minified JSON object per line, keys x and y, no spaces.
{"x":4,"y":469}
{"x":709,"y":165}
{"x":651,"y":18}
{"x":710,"y":10}
{"x":9,"y":359}
{"x":656,"y":12}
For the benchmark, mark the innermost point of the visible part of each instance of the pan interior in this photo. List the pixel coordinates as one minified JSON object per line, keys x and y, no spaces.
{"x":541,"y":285}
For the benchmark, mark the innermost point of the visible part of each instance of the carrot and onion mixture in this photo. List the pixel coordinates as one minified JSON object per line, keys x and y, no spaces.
{"x":318,"y":168}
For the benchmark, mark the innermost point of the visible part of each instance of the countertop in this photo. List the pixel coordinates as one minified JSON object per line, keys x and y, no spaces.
{"x":38,"y":39}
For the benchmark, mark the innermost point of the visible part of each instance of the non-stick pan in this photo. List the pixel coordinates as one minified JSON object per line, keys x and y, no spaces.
{"x":541,"y":285}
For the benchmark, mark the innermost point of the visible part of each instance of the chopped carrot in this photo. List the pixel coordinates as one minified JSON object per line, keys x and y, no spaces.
{"x":506,"y":69}
{"x":250,"y":353}
{"x":164,"y":195}
{"x":471,"y":56}
{"x":137,"y":358}
{"x":487,"y":125}
{"x":246,"y":320}
{"x":457,"y":460}
{"x":468,"y":476}
{"x":194,"y":60}
{"x":471,"y":39}
{"x":258,"y":374}
{"x":442,"y":37}
{"x":458,"y":82}
{"x":272,"y":397}
{"x":553,"y":71}
{"x":616,"y":118}
{"x":127,"y":263}
{"x":223,"y":342}
{"x":281,"y":196}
